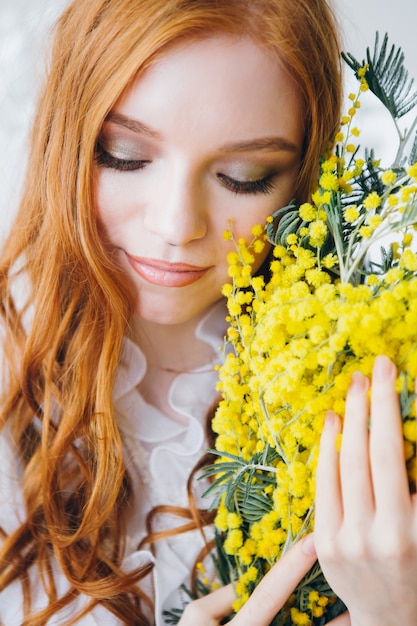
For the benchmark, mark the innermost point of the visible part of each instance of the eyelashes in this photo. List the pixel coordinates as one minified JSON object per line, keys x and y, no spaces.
{"x":263,"y":185}
{"x":105,"y":159}
{"x":244,"y":187}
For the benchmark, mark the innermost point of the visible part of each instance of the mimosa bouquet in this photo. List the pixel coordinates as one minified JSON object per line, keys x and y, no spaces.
{"x":333,"y":301}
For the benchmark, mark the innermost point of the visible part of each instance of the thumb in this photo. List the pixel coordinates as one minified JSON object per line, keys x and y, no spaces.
{"x":210,"y":609}
{"x":276,"y":587}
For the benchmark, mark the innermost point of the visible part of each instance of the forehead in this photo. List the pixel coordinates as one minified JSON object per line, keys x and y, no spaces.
{"x":216,"y":80}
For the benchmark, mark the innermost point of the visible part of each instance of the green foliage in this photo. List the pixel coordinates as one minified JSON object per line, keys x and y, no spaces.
{"x":286,"y":222}
{"x":224,"y":564}
{"x":413,"y":152}
{"x":242,"y":482}
{"x":387,"y":77}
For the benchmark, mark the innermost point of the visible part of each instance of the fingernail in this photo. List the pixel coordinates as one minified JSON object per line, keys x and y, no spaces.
{"x":330,"y":420}
{"x":358,"y":383}
{"x":308,"y":546}
{"x":383,"y":369}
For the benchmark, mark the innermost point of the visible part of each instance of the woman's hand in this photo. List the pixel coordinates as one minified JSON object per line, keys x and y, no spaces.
{"x":267,"y":599}
{"x":366,"y":519}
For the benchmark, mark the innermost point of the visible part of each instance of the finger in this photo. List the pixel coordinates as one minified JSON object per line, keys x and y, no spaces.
{"x":389,"y":472}
{"x":210,"y":609}
{"x":276,"y":587}
{"x":329,"y":507}
{"x":356,"y":480}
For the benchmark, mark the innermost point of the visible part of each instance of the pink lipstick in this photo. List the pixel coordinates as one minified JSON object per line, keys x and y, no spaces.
{"x":166,"y":274}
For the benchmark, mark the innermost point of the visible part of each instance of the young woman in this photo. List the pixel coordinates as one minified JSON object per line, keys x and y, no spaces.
{"x":160,"y":120}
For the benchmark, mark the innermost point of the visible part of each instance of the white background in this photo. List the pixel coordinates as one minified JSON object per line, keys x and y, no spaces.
{"x":24,"y":27}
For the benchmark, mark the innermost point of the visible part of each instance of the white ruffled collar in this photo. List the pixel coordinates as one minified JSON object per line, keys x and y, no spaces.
{"x":164,"y":450}
{"x":185,"y":394}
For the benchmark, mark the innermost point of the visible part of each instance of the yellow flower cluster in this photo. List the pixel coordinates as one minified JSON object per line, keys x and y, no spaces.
{"x":295,"y":353}
{"x":297,"y":338}
{"x":297,"y":342}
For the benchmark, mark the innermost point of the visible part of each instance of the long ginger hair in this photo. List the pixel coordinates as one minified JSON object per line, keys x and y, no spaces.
{"x":63,"y":336}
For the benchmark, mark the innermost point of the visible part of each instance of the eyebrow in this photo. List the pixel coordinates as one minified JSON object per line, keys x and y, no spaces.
{"x":133,"y":125}
{"x":268,"y":144}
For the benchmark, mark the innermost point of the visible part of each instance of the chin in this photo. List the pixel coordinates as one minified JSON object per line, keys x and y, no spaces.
{"x":166,"y":316}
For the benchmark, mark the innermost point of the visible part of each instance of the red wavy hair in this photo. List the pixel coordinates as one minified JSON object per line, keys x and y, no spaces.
{"x":62,"y":343}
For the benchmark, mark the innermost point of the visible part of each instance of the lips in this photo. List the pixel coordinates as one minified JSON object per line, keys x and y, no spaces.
{"x":166,"y":274}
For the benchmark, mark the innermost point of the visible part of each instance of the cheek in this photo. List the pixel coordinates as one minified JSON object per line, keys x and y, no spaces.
{"x":100,"y":197}
{"x":105,"y":191}
{"x":105,"y":211}
{"x":109,"y":202}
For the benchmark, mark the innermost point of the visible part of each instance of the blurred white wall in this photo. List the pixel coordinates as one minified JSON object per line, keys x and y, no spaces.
{"x":24,"y":27}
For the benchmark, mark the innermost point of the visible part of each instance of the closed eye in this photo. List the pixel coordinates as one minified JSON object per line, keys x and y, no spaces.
{"x":105,"y":159}
{"x":263,"y":185}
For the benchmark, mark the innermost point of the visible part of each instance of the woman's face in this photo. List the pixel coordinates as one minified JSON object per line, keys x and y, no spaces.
{"x":211,"y":132}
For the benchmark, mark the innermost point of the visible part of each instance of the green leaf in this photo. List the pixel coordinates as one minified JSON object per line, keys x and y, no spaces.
{"x":387,"y":77}
{"x":286,"y":222}
{"x":253,"y":510}
{"x":413,"y":152}
{"x":407,"y":398}
{"x":242,"y":483}
{"x":385,"y":264}
{"x":224,"y":564}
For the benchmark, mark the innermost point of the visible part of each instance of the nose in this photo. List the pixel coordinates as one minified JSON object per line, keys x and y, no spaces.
{"x":177,"y":212}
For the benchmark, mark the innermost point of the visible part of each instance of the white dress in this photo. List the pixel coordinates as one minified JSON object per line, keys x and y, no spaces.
{"x":160,"y":454}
